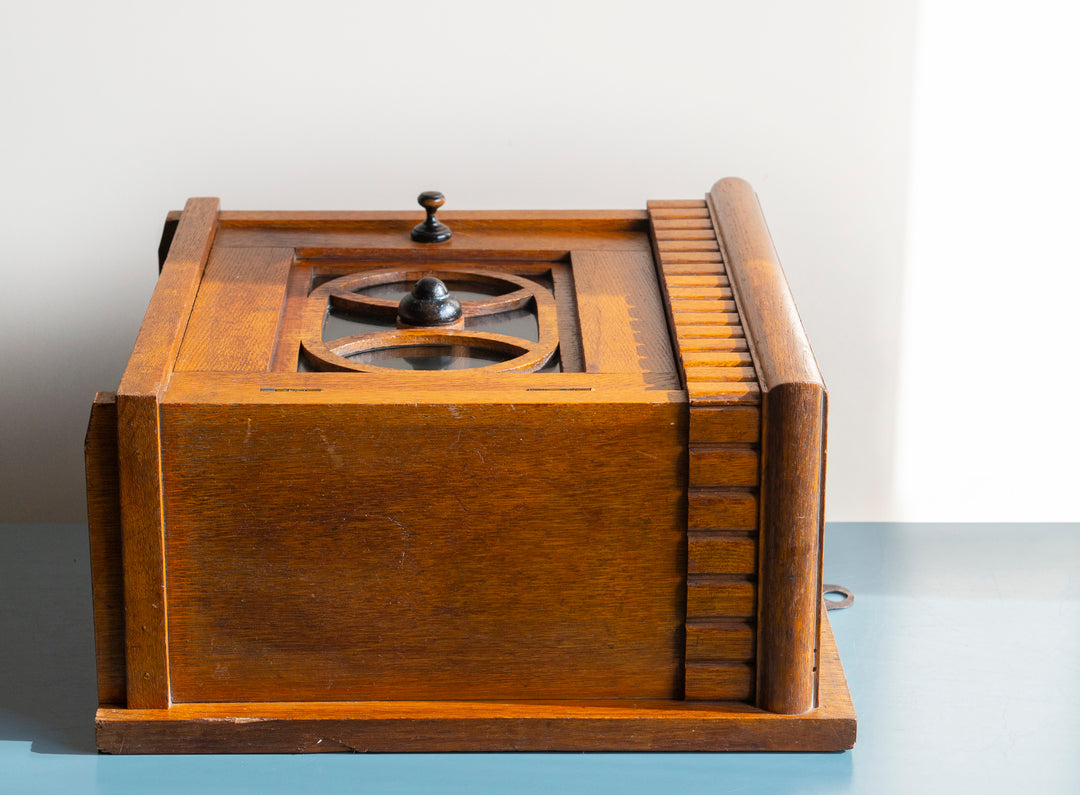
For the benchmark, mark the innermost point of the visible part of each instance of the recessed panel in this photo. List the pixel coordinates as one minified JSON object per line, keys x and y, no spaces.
{"x":424,"y":552}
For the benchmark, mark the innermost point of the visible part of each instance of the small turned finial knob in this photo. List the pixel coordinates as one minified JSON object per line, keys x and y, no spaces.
{"x":429,"y":304}
{"x":432,"y":230}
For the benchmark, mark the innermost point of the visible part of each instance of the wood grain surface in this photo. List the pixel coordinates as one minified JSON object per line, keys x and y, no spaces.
{"x":792,"y":449}
{"x":106,"y":561}
{"x":625,"y":556}
{"x":550,"y":565}
{"x":478,"y":235}
{"x":623,"y":327}
{"x":722,"y":552}
{"x":144,"y":380}
{"x":426,"y":726}
{"x":723,"y":452}
{"x":235,"y":320}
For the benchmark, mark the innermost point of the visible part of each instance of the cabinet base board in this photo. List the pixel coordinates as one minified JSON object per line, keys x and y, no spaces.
{"x":436,"y":726}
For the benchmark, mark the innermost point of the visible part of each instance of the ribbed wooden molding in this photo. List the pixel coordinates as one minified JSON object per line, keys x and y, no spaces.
{"x":710,"y":341}
{"x":724,"y":454}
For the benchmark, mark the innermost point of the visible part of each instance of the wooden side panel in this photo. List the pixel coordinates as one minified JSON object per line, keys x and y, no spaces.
{"x":234,"y":323}
{"x":793,"y":453}
{"x":106,"y":563}
{"x":425,"y":551}
{"x":146,"y":632}
{"x":144,"y":380}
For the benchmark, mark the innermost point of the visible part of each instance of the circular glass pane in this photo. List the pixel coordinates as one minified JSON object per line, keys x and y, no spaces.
{"x":431,"y":357}
{"x":460,"y":289}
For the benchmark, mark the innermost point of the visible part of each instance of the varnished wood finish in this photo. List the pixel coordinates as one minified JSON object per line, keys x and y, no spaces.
{"x":106,"y":563}
{"x":147,"y":373}
{"x":720,"y":596}
{"x":478,"y":235}
{"x":720,"y":639}
{"x":705,"y":679}
{"x":722,"y":508}
{"x":234,"y":324}
{"x":395,"y":559}
{"x":461,"y":560}
{"x":725,"y":425}
{"x":571,"y":357}
{"x":724,"y":460}
{"x":440,"y":726}
{"x":722,"y":552}
{"x":451,"y":386}
{"x":724,"y":465}
{"x":793,"y":454}
{"x":620,"y":335}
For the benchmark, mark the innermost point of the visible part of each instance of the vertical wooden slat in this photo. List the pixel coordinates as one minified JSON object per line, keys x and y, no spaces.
{"x":139,"y":443}
{"x":106,"y":565}
{"x":791,"y":520}
{"x":570,"y":354}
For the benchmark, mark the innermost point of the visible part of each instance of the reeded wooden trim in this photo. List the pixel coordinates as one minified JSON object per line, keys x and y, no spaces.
{"x":138,"y":431}
{"x":793,"y":453}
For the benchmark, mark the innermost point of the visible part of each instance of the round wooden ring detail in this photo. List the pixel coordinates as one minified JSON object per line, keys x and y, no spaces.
{"x":342,"y":293}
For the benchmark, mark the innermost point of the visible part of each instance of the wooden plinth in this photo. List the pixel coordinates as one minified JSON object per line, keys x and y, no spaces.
{"x":435,"y":726}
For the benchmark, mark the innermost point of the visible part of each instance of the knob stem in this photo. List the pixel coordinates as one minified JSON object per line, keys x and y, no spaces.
{"x":432,"y":230}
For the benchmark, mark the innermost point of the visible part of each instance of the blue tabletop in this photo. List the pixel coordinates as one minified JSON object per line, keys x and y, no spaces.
{"x":962,"y":651}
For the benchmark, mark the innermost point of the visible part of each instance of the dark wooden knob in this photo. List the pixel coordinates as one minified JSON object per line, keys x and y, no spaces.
{"x":432,"y":230}
{"x":429,"y":304}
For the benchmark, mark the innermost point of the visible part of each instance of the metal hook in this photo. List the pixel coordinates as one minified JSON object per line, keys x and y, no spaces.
{"x":838,"y":604}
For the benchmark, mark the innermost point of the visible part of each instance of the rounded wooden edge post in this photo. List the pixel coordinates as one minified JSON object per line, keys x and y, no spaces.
{"x":793,"y":454}
{"x":789,"y":602}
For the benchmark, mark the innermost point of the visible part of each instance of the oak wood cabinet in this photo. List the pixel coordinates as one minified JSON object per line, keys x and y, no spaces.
{"x":584,"y":512}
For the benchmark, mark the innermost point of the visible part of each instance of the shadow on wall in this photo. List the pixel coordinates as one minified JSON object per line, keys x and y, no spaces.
{"x":47,"y":674}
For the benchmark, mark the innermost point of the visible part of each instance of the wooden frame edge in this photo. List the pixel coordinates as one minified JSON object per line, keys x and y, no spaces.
{"x":794,"y":405}
{"x":394,"y":727}
{"x":139,"y":444}
{"x":106,"y":568}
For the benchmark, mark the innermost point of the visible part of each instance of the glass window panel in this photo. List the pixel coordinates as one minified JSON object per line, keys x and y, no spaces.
{"x":431,"y":357}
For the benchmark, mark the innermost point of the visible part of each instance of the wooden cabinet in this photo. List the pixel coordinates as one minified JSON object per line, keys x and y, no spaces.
{"x":576,"y":505}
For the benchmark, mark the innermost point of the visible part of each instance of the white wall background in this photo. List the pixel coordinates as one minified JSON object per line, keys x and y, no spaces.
{"x":990,"y":387}
{"x":111,"y":114}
